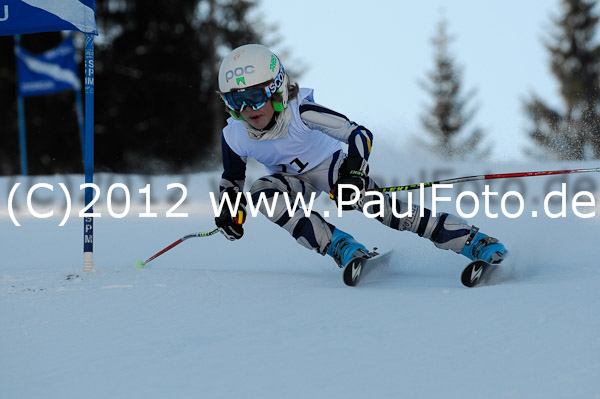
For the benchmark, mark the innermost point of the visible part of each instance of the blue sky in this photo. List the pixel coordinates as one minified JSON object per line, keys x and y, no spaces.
{"x":365,"y":60}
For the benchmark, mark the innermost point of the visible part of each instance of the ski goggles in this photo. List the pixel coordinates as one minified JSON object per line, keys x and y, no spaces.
{"x":255,"y":98}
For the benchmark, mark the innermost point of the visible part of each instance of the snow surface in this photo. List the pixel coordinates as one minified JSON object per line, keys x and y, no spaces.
{"x":265,"y":318}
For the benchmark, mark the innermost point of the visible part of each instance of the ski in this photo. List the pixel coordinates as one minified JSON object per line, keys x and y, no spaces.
{"x":358,"y":267}
{"x":477,"y":272}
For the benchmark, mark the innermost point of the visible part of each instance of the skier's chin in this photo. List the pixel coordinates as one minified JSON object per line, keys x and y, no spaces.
{"x":258,"y":122}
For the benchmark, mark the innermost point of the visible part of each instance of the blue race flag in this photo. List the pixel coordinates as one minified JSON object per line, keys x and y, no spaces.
{"x":49,"y":72}
{"x":33,"y":16}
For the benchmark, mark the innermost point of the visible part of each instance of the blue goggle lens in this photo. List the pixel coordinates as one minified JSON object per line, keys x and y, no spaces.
{"x":255,"y":98}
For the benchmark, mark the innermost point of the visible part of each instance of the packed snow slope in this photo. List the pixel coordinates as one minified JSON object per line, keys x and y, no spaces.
{"x":265,"y":318}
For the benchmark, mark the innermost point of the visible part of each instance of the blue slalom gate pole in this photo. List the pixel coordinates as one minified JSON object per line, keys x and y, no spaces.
{"x":88,"y":221}
{"x":21,"y":116}
{"x":80,"y":120}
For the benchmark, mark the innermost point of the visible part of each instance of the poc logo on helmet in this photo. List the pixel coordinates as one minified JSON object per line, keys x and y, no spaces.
{"x":238,"y":73}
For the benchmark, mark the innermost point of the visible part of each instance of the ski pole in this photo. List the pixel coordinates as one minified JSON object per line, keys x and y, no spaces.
{"x":485,"y":177}
{"x":141,"y":265}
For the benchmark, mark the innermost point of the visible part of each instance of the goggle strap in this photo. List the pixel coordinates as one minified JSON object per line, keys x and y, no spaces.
{"x":235,"y":115}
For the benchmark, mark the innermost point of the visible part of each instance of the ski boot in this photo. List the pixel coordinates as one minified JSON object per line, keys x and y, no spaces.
{"x":343,"y":248}
{"x":480,"y":246}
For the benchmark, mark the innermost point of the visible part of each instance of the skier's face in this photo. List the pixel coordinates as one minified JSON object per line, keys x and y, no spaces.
{"x":259,"y":118}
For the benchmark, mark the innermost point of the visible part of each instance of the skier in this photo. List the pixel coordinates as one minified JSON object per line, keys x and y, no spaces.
{"x":300,"y":144}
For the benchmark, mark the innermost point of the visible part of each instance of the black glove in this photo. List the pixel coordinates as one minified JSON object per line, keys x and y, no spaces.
{"x":353,"y":171}
{"x":231,"y":226}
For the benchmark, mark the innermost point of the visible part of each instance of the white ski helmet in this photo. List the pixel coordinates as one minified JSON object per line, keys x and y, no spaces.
{"x":252,"y":65}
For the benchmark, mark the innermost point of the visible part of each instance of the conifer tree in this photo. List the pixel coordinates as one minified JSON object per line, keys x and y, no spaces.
{"x":157,"y":108}
{"x":572,"y":132}
{"x":447,"y":117}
